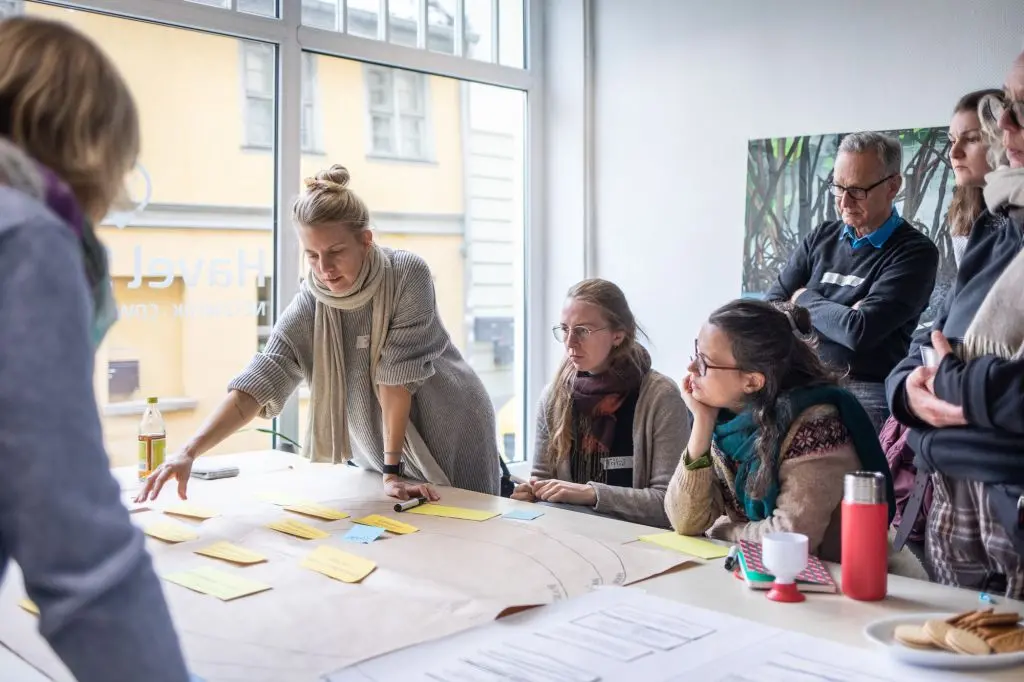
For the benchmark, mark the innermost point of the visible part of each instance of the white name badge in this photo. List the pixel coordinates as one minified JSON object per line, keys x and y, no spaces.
{"x":362,"y":342}
{"x":617,"y":462}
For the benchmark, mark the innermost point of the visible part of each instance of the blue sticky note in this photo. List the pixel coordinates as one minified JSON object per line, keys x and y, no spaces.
{"x":522,"y":514}
{"x":363,"y":534}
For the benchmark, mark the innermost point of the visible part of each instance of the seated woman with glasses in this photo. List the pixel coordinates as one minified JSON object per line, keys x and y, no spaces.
{"x":773,"y":433}
{"x":609,"y":428}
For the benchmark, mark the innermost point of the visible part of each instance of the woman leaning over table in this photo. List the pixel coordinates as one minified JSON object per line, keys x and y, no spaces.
{"x":69,"y":132}
{"x":773,"y":434}
{"x":389,"y":390}
{"x":609,"y":428}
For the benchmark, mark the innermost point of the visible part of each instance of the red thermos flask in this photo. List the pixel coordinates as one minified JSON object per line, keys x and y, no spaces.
{"x":865,"y":559}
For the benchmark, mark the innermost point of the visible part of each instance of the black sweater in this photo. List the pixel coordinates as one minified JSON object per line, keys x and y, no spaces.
{"x":990,"y":389}
{"x":892,"y":285}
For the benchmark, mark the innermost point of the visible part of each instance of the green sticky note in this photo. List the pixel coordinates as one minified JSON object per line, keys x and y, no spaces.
{"x":687,"y":545}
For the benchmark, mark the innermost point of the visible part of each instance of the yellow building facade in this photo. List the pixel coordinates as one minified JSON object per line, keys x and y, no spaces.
{"x":193,"y":262}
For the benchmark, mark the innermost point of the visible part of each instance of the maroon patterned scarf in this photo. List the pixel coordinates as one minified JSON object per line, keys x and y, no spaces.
{"x":596,"y":400}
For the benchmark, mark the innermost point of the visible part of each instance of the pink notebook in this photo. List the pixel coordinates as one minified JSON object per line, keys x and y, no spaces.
{"x":816,"y":574}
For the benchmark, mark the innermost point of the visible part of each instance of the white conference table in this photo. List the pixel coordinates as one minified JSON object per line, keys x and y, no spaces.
{"x":704,"y":584}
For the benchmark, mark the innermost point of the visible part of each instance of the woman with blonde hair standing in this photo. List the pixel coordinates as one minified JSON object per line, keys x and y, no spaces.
{"x":610,"y":429}
{"x":69,"y":133}
{"x":388,"y":388}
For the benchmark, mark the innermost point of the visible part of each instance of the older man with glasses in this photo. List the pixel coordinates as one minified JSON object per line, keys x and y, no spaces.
{"x":867,"y":277}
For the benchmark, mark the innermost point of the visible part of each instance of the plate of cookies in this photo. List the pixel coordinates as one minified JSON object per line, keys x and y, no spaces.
{"x":974,"y":640}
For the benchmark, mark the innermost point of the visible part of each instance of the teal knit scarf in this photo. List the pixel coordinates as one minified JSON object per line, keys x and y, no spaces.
{"x":735,"y":436}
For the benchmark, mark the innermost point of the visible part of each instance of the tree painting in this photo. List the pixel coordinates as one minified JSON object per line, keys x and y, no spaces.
{"x":787,"y":197}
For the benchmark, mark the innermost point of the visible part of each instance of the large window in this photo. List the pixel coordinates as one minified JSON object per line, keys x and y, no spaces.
{"x":187,"y":263}
{"x":205,"y":256}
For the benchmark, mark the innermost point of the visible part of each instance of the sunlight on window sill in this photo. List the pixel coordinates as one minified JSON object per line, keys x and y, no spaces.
{"x":402,"y":159}
{"x":137,"y":407}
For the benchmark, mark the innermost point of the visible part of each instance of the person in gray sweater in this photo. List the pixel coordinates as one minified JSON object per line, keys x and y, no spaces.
{"x":388,"y":388}
{"x":68,"y":134}
{"x":610,"y":430}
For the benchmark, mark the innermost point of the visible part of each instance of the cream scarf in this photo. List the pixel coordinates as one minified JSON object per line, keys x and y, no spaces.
{"x":327,"y":438}
{"x":998,"y":326}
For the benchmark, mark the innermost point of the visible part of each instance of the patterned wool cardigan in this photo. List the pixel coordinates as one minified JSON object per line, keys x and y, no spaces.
{"x":815,"y":455}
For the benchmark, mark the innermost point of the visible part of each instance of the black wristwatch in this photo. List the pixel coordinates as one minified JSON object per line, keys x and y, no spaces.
{"x":395,"y":469}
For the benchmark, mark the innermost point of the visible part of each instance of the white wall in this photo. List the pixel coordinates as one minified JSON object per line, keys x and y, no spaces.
{"x":682,"y":85}
{"x":564,"y":148}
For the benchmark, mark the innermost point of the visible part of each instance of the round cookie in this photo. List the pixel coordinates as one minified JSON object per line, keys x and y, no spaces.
{"x":1009,"y":642}
{"x":965,"y":642}
{"x":936,"y":631}
{"x":995,"y":619}
{"x":912,"y":636}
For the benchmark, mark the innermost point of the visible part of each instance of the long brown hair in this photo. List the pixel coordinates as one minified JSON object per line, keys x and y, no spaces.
{"x":612,"y":302}
{"x":66,"y":105}
{"x":776,"y":340}
{"x":968,"y":202}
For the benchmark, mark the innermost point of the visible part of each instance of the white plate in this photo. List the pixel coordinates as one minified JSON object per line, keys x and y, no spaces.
{"x":881,"y":633}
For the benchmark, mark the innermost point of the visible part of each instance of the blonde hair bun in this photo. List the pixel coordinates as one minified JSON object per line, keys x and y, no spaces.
{"x":335,"y":178}
{"x":328,"y":199}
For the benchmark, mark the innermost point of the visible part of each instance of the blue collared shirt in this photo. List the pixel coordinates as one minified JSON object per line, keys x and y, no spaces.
{"x":877,"y":238}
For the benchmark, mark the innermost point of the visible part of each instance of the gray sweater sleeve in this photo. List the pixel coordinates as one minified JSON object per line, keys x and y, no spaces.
{"x":61,"y":519}
{"x":274,"y":374}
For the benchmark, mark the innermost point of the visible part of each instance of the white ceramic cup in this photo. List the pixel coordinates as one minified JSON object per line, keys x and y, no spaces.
{"x":784,"y":555}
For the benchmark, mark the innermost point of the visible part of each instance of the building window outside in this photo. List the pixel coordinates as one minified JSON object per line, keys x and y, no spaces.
{"x":258,"y":73}
{"x":258,"y":66}
{"x":10,"y":8}
{"x":320,"y":14}
{"x":311,"y":130}
{"x":264,"y":8}
{"x":398,"y":113}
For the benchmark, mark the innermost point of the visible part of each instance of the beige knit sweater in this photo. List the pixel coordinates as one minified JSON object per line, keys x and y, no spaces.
{"x":660,"y":432}
{"x":816,"y":453}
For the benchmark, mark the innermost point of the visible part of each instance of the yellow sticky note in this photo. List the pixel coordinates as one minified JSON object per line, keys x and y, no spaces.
{"x":232,"y":553}
{"x":452,"y":512}
{"x":318,"y":510}
{"x":339,"y":565}
{"x":387,"y":524}
{"x":169,"y":532}
{"x":224,"y":586}
{"x":298,"y":529}
{"x":29,"y":606}
{"x":687,"y":545}
{"x":191,"y":511}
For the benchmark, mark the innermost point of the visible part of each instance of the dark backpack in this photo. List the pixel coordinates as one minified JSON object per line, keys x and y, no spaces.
{"x":507,"y":484}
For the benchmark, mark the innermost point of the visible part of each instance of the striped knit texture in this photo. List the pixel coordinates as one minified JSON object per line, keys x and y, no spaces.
{"x":450,"y":406}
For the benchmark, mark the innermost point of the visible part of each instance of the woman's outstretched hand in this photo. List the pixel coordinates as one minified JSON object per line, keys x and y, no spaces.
{"x":177,"y":467}
{"x":404,"y":490}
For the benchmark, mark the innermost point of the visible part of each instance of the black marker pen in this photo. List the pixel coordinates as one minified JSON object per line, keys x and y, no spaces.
{"x":409,"y":504}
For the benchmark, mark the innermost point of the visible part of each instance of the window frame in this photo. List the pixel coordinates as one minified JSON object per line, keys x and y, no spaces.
{"x":291,"y":38}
